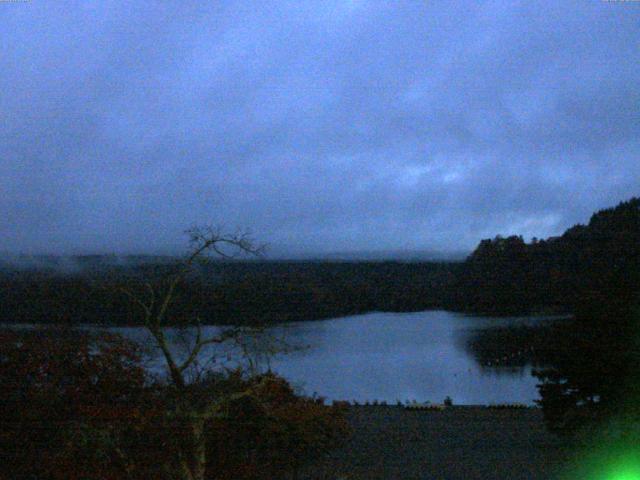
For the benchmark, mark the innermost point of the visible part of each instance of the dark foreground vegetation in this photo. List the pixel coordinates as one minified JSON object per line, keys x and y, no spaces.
{"x":80,"y":406}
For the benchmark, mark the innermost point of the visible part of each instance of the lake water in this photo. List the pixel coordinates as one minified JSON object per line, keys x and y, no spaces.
{"x":392,"y":356}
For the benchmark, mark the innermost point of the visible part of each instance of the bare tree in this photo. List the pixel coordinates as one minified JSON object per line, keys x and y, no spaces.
{"x":154,"y":300}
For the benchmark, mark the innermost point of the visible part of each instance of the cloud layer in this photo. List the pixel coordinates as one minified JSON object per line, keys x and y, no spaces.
{"x":321,"y":126}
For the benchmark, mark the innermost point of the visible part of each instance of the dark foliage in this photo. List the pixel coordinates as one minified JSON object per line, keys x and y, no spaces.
{"x":77,"y":405}
{"x":588,"y":267}
{"x":271,"y":432}
{"x":65,"y":398}
{"x":228,"y":292}
{"x":588,"y":367}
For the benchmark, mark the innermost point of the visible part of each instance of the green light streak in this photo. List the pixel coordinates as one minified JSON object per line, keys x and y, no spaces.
{"x":625,"y":469}
{"x":619,"y":460}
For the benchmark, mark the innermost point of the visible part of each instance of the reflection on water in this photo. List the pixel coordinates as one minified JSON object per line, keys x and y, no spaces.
{"x":400,"y":356}
{"x":395,"y":356}
{"x":379,"y":356}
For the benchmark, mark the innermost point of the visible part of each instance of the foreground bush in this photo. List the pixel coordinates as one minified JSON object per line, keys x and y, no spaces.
{"x":76,"y":405}
{"x":271,"y":432}
{"x":65,"y":398}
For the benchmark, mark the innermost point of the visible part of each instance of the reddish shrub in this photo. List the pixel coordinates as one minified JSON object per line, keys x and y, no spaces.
{"x":76,"y":405}
{"x":67,"y":397}
{"x":271,"y":432}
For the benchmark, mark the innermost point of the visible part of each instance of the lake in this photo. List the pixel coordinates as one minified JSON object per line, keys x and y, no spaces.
{"x":390,"y":357}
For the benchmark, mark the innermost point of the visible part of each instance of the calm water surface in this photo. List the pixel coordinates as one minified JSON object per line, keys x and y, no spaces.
{"x":395,"y":356}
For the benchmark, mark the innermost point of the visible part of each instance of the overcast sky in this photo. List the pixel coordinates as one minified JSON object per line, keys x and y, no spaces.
{"x":321,"y":126}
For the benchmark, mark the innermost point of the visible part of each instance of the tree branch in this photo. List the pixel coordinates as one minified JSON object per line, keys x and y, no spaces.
{"x":200,"y":343}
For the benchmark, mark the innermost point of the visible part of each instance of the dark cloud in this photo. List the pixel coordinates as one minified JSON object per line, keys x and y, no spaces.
{"x":322,"y":126}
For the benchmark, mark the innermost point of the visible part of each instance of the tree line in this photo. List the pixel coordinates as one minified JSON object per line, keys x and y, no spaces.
{"x":588,"y":367}
{"x":588,"y":265}
{"x":236,"y":292}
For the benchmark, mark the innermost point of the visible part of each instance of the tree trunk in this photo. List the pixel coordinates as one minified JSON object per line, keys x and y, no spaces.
{"x":193,"y":461}
{"x":199,"y":454}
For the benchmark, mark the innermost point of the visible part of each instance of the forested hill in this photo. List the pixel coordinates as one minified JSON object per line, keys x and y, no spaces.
{"x":588,"y":265}
{"x":587,"y":367}
{"x":228,"y":292}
